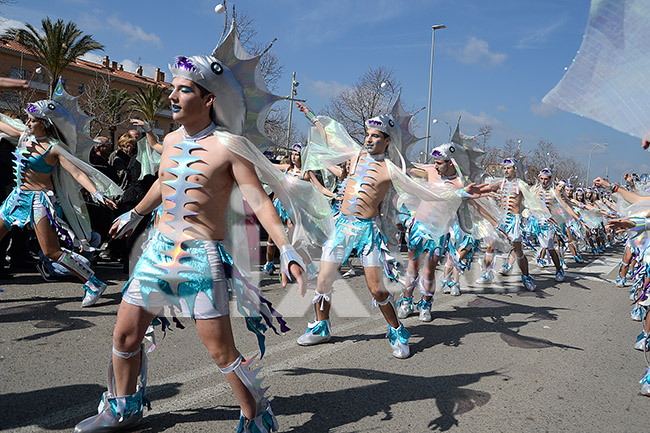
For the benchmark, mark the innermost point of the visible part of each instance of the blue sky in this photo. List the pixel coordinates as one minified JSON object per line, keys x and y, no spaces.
{"x":493,"y":63}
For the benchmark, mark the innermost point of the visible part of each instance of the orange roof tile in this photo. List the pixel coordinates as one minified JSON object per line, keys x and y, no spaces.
{"x":91,"y":66}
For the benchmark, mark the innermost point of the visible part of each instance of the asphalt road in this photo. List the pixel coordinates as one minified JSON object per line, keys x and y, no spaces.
{"x":496,"y":359}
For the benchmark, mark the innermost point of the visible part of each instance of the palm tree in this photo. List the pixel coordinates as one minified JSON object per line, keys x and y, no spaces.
{"x":56,"y":45}
{"x":149,"y":102}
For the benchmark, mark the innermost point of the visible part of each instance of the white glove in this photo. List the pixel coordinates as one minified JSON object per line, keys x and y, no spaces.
{"x":127,"y":222}
{"x":289,"y":254}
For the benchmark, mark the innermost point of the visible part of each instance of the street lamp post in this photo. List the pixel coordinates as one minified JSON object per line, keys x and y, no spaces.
{"x":589,"y":162}
{"x":433,"y":36}
{"x":383,"y":85}
{"x":39,"y":70}
{"x":293,"y":93}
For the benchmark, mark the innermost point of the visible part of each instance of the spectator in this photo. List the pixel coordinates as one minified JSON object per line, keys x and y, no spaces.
{"x":100,"y":155}
{"x":119,"y":160}
{"x":135,"y":134}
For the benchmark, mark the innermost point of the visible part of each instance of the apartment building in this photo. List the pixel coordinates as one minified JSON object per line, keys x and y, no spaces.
{"x":17,"y":62}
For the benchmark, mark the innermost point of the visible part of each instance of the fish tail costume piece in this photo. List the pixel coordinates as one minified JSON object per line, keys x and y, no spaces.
{"x":64,"y":207}
{"x":195,"y":275}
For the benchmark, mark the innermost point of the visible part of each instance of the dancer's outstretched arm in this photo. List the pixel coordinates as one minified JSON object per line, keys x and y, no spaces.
{"x":83,"y":180}
{"x":249,"y":184}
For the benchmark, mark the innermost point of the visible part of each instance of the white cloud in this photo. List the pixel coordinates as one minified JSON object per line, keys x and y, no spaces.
{"x":7,"y":23}
{"x":148,"y":69}
{"x":93,"y":57}
{"x":135,"y":32}
{"x":501,"y":108}
{"x":327,"y":89}
{"x":477,"y":51}
{"x":470,"y":119}
{"x":540,"y":36}
{"x":541,"y":109}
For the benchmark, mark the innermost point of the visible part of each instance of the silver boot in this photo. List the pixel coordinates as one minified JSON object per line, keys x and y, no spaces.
{"x":317,"y":332}
{"x":264,"y":420}
{"x":404,"y":307}
{"x":117,"y":413}
{"x":398,"y":339}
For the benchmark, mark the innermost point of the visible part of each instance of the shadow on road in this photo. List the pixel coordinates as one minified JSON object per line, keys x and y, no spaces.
{"x":481,"y":315}
{"x":48,"y":313}
{"x":484,"y":315}
{"x":332,"y":409}
{"x":26,"y":409}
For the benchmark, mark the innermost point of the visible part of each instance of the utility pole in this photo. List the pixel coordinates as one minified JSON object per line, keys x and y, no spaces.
{"x":293,"y":93}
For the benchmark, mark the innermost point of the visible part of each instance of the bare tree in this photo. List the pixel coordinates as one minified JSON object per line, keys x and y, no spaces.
{"x":276,"y":129}
{"x":483,"y":136}
{"x":110,"y":108}
{"x":366,"y":99}
{"x":545,"y":155}
{"x":17,"y":102}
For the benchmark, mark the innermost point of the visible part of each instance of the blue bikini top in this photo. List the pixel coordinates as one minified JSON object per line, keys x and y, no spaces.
{"x":37,"y":162}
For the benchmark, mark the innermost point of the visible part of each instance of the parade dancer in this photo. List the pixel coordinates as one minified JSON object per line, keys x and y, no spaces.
{"x":47,"y":197}
{"x":587,"y":217}
{"x":546,"y":226}
{"x":514,"y":195}
{"x":572,"y":228}
{"x":421,"y":240}
{"x":358,"y":221}
{"x":357,"y":228}
{"x":205,"y":163}
{"x":637,"y":226}
{"x":454,"y":163}
{"x":294,"y":170}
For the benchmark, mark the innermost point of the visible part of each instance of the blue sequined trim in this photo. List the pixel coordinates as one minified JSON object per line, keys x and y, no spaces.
{"x":362,"y":235}
{"x":400,"y":333}
{"x":282,"y":213}
{"x":321,"y":328}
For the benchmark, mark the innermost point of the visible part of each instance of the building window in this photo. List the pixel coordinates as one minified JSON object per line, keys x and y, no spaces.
{"x":41,"y":78}
{"x":171,"y":126}
{"x":17,"y":72}
{"x":81,"y":88}
{"x":155,"y":123}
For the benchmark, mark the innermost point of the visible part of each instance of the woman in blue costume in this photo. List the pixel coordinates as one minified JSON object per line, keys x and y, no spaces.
{"x":294,"y":170}
{"x":41,"y":166}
